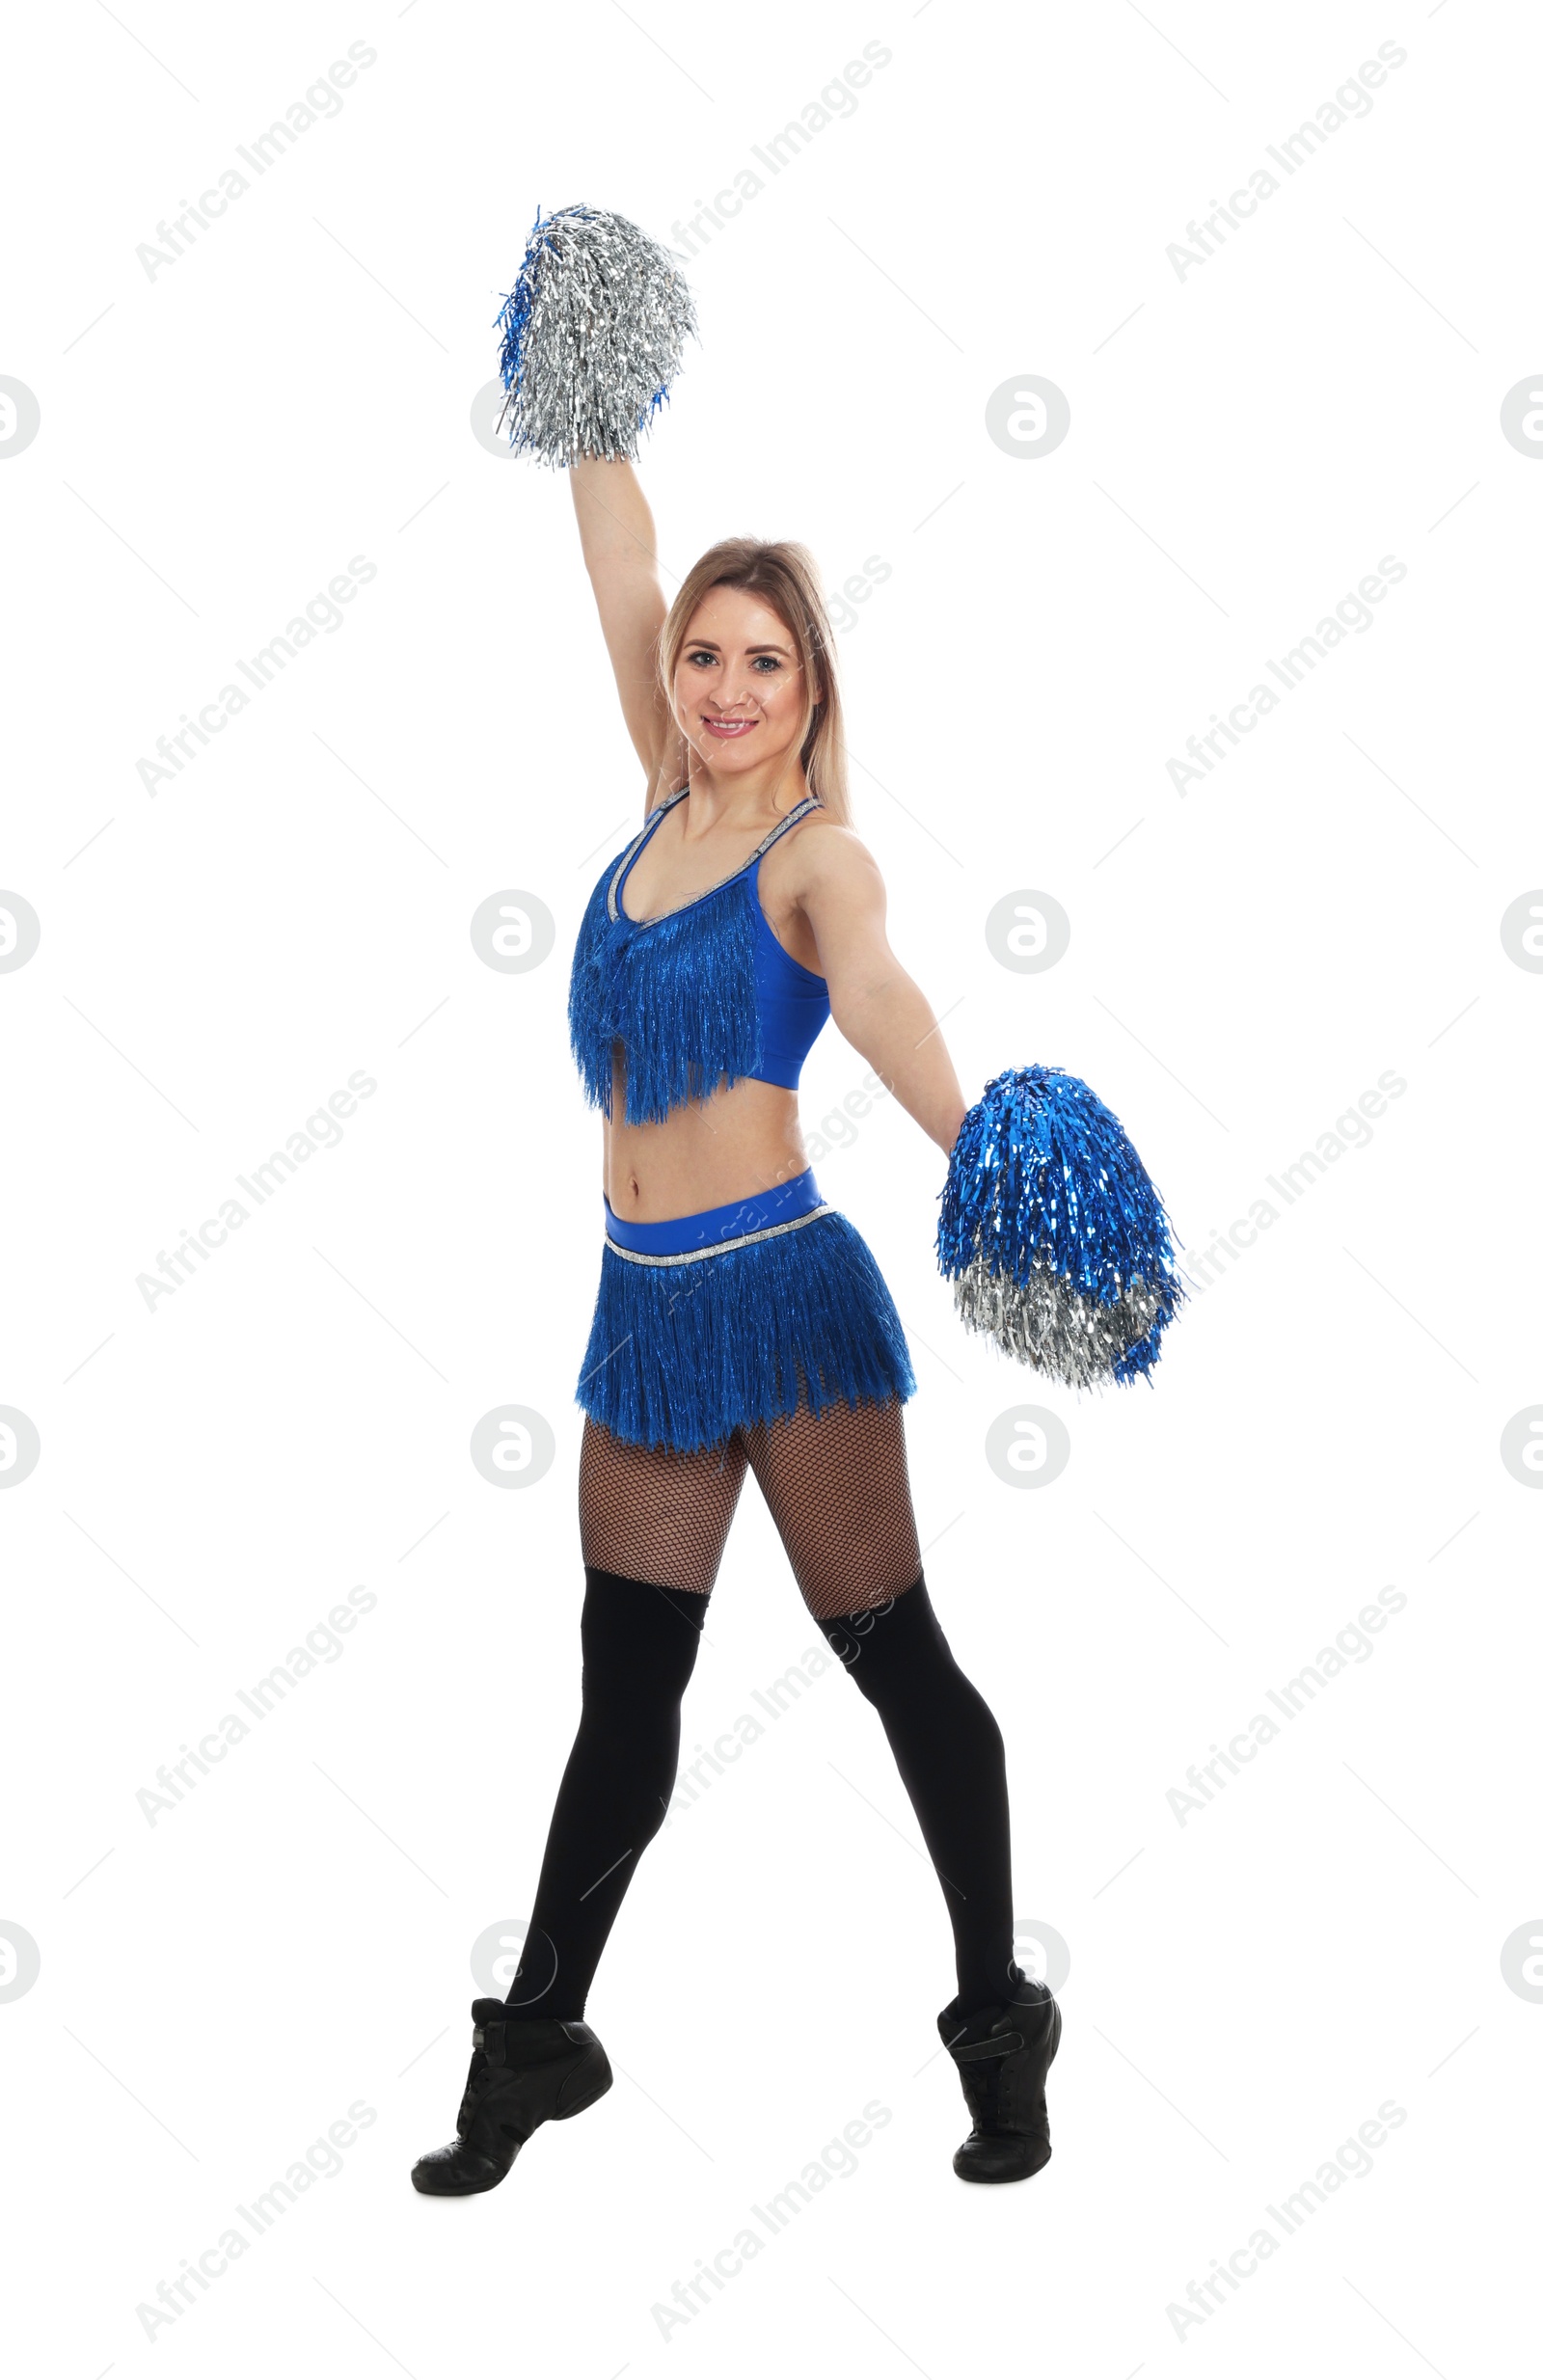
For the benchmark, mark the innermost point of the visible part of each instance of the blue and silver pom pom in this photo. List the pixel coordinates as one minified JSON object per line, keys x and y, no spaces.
{"x":593,"y":331}
{"x":1056,"y":1242}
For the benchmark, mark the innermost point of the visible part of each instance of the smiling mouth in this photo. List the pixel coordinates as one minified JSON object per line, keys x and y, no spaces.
{"x":728,"y":729}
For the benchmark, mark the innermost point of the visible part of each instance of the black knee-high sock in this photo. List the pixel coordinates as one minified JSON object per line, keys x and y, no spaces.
{"x":640,"y":1647}
{"x":948,"y":1749}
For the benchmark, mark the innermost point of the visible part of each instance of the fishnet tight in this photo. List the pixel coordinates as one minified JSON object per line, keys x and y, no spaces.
{"x":835,"y":1483}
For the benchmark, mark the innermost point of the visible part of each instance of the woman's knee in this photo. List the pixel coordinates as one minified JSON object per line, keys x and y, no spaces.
{"x":639,"y":1637}
{"x":891,"y":1646}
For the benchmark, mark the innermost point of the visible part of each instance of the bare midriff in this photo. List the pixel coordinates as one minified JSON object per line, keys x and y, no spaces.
{"x":742,"y":1140}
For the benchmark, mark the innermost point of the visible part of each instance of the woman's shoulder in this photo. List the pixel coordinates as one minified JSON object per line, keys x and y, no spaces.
{"x":821,"y":855}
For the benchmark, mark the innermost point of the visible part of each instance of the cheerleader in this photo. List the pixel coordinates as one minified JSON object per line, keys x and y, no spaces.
{"x":742,"y":1323}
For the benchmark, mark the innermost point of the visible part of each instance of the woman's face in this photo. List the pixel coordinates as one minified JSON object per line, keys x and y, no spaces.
{"x":739,"y":684}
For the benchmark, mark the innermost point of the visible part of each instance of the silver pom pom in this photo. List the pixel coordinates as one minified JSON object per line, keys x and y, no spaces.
{"x":1058,"y":1245}
{"x":593,"y":331}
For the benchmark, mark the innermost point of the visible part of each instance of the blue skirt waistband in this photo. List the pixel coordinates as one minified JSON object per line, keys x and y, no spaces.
{"x":716,"y":1226}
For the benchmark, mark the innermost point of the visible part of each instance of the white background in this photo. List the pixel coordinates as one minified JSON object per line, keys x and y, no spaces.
{"x":1247,"y":442}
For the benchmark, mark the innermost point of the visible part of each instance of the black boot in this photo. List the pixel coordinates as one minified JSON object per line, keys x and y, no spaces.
{"x":524,"y":2071}
{"x":1003,"y":2053}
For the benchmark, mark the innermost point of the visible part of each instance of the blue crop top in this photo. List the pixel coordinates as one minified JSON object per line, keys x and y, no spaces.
{"x":702,"y":994}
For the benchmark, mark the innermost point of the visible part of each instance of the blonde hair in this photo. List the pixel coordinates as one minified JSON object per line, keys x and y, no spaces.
{"x":785,"y":578}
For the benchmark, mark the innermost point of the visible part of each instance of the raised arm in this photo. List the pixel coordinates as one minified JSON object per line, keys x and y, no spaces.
{"x":876,"y":1005}
{"x":616,"y":531}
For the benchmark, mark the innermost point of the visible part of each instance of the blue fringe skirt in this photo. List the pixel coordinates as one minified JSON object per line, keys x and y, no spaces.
{"x":737,"y":1315}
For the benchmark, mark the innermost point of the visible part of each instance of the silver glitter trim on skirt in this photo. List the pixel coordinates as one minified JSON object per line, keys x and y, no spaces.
{"x":720,"y":1247}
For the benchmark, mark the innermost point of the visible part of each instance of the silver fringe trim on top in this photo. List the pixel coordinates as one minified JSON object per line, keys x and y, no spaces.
{"x":593,"y":333}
